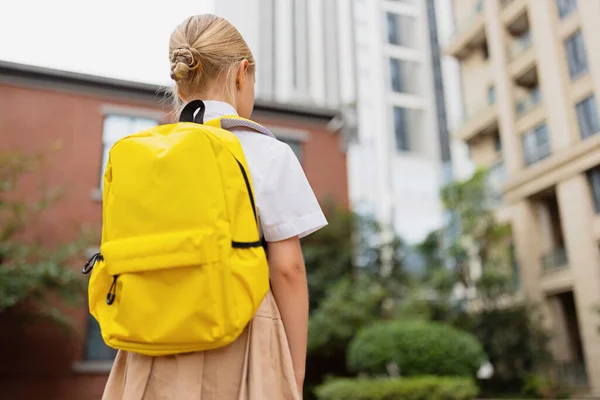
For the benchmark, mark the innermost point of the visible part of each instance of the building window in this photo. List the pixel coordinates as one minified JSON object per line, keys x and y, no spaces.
{"x":400,"y":129}
{"x":576,"y":55}
{"x":485,"y":51}
{"x":117,"y":127}
{"x":404,"y":76}
{"x":401,"y":30}
{"x":536,"y":145}
{"x":95,"y":348}
{"x":587,"y":117}
{"x":296,"y":146}
{"x":565,"y":7}
{"x":497,"y":143}
{"x":495,"y":179}
{"x":491,"y":95}
{"x":594,"y":178}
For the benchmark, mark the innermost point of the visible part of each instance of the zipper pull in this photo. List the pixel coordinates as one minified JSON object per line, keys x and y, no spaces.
{"x":112,"y":292}
{"x":87,"y":268}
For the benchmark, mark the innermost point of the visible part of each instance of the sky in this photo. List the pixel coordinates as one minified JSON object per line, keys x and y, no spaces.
{"x":125,"y":39}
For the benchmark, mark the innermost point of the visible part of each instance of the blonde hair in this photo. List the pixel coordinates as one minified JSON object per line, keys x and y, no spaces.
{"x":203,"y":50}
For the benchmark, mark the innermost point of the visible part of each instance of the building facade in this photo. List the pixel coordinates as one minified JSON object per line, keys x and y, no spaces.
{"x":379,"y":62}
{"x":530,"y":71}
{"x":303,"y":48}
{"x":73,"y":119}
{"x":396,"y":163}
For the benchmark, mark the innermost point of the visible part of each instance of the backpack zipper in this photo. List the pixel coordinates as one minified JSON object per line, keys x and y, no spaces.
{"x":112,"y":292}
{"x":89,"y":266}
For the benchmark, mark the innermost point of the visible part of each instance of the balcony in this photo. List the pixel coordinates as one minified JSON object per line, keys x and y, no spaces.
{"x":530,"y":111}
{"x":522,"y":60}
{"x":482,"y":122}
{"x":514,"y":16}
{"x":495,"y":179}
{"x":469,"y":34}
{"x":555,"y":259}
{"x":528,"y":103}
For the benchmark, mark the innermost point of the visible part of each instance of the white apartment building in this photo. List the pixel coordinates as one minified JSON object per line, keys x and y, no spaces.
{"x":303,"y":48}
{"x":376,"y":57}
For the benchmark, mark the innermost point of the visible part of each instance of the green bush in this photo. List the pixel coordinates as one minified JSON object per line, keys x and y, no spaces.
{"x":418,"y":388}
{"x":416,"y":348}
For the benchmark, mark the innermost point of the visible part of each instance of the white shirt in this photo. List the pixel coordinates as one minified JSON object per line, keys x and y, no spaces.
{"x":287,"y":206}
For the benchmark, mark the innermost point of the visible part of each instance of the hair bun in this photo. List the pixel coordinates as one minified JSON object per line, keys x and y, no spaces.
{"x":183,"y":60}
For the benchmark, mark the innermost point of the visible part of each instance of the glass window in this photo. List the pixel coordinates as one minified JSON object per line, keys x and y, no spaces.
{"x":565,"y":7}
{"x":576,"y":55}
{"x":401,"y":30}
{"x":404,"y":76}
{"x":117,"y":127}
{"x":296,"y":146}
{"x":594,"y":178}
{"x":536,"y":145}
{"x":497,"y":142}
{"x":400,"y":129}
{"x":491,"y":95}
{"x":587,"y":117}
{"x":495,"y":179}
{"x":95,"y":348}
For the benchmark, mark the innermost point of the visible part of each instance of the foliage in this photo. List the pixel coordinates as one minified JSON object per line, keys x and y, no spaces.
{"x":420,"y":388}
{"x":351,"y":304}
{"x":509,"y":328}
{"x":416,"y":348}
{"x":482,"y":240}
{"x":515,"y":341}
{"x":30,"y":273}
{"x":329,"y":253}
{"x":541,"y":388}
{"x":354,"y":279}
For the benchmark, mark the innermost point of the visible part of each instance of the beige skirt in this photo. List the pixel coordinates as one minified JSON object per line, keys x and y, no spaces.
{"x":257,"y":366}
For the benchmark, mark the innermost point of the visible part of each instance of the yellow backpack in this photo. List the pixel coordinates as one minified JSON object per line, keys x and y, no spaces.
{"x":181,"y":266}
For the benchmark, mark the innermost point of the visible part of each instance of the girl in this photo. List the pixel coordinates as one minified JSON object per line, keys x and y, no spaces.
{"x":210,"y":61}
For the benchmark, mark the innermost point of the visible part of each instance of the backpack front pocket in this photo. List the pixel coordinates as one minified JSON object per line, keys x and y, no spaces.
{"x":167,"y":290}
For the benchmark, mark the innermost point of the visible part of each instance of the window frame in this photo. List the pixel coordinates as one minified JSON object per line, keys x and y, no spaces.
{"x":565,"y":7}
{"x":593,"y":176}
{"x":588,"y":119}
{"x":401,"y":138}
{"x":576,"y":55}
{"x":535,"y":150}
{"x":93,"y":333}
{"x":491,"y":95}
{"x":395,"y":36}
{"x":108,"y":143}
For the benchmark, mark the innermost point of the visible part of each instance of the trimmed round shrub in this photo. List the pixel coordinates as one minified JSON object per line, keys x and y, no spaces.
{"x":415,"y":348}
{"x":419,"y":388}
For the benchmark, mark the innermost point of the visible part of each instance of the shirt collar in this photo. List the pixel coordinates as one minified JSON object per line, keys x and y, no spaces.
{"x":216,"y":109}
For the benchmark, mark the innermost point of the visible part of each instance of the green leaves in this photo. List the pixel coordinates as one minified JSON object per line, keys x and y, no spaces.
{"x":510,"y":330}
{"x":350,"y":305}
{"x":31,"y":274}
{"x":421,"y":388}
{"x":416,"y":348}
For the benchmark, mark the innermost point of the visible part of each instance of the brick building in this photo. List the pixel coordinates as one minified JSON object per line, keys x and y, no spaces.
{"x":73,"y":119}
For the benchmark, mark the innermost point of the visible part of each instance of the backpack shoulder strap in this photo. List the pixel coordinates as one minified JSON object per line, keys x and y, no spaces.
{"x":194,"y":112}
{"x":233,"y":121}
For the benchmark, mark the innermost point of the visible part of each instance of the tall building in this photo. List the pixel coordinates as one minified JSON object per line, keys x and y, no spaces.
{"x":396,"y":166}
{"x":303,"y":48}
{"x":379,"y":60}
{"x":530,"y":71}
